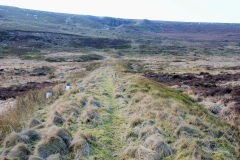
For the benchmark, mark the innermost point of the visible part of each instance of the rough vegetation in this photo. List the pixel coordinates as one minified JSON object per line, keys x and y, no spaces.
{"x":148,"y":121}
{"x":177,"y":103}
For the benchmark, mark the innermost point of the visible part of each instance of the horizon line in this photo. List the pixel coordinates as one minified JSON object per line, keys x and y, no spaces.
{"x":106,"y":16}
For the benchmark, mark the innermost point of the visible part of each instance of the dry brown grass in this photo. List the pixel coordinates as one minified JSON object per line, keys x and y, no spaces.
{"x":92,"y":66}
{"x":136,"y":120}
{"x":16,"y":117}
{"x":90,"y":114}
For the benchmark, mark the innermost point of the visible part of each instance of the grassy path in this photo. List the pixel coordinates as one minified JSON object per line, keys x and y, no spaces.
{"x":108,"y":130}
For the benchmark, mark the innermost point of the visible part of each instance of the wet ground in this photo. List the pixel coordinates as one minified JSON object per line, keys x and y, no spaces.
{"x":203,"y":84}
{"x":17,"y":90}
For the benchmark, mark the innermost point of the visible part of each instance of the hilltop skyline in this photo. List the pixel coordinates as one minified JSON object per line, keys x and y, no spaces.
{"x":166,"y":10}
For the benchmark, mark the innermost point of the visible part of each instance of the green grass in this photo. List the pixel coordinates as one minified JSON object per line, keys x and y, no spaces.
{"x":108,"y":130}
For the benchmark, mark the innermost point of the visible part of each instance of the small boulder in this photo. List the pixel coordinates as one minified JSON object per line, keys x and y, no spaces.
{"x":20,"y":152}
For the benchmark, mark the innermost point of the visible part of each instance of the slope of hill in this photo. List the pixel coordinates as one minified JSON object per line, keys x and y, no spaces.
{"x":113,"y":115}
{"x":147,"y":37}
{"x":177,"y":104}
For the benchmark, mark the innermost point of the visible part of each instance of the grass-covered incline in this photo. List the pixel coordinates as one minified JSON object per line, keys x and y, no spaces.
{"x":110,"y":114}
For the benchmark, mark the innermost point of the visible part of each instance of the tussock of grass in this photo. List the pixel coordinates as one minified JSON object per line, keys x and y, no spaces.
{"x":16,"y":117}
{"x":135,"y":121}
{"x":179,"y":120}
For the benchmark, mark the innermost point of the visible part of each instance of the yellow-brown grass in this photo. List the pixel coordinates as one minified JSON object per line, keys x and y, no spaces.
{"x":16,"y":117}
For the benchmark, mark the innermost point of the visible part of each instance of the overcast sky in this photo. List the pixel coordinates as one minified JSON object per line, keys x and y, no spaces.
{"x":173,"y":10}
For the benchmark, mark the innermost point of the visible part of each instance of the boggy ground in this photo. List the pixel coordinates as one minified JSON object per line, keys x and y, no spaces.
{"x":110,"y":114}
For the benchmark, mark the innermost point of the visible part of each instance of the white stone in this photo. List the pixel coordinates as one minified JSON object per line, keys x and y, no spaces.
{"x":49,"y":94}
